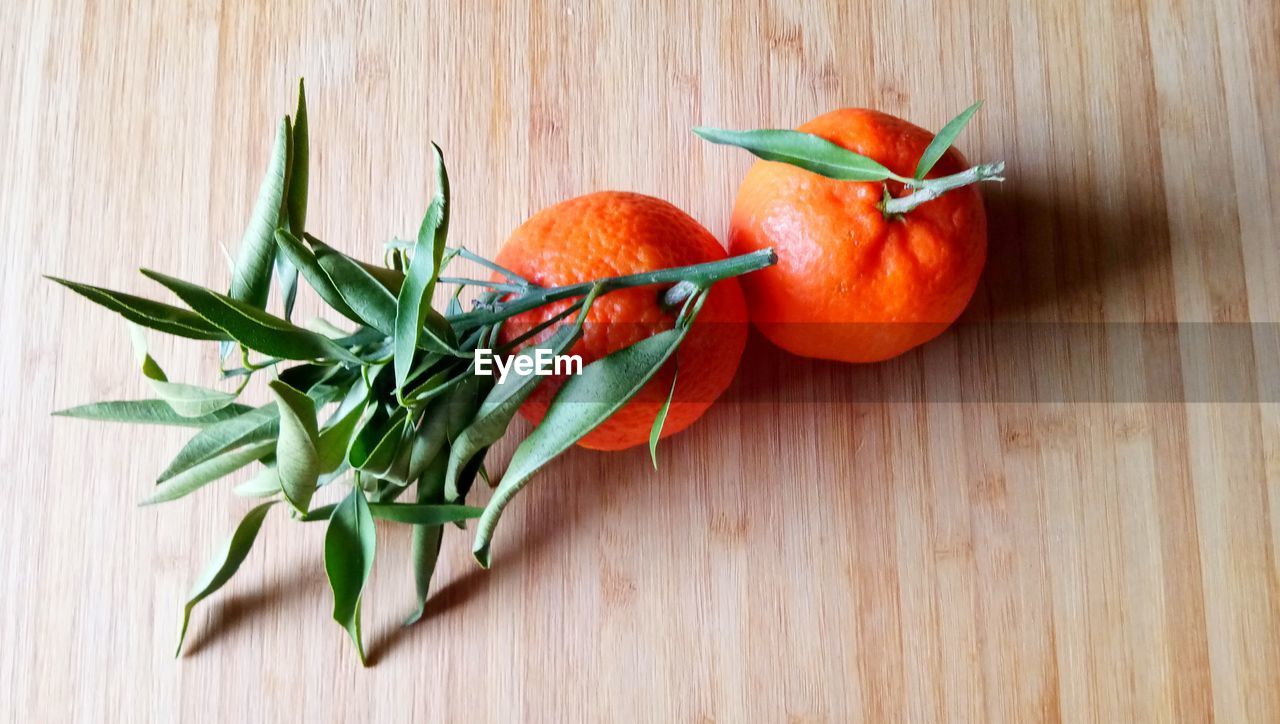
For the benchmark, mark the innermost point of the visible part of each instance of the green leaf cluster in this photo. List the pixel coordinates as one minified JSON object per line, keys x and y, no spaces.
{"x":394,"y":406}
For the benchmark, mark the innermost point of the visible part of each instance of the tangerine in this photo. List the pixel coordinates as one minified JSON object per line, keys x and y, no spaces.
{"x":613,"y":233}
{"x":852,"y":283}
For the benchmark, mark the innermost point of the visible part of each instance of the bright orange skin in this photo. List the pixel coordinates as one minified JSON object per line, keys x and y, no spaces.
{"x":851,"y":285}
{"x":612,"y":233}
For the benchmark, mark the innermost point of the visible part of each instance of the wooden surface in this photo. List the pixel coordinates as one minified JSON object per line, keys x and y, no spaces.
{"x":952,"y":535}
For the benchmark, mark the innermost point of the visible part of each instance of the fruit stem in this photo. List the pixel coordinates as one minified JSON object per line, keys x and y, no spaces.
{"x":701,"y":275}
{"x":930,"y":189}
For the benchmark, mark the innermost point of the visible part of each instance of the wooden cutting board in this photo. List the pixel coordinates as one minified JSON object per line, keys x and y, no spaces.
{"x":1067,"y":508}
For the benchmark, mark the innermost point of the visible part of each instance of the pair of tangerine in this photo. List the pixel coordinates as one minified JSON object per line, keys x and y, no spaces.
{"x":852,"y":283}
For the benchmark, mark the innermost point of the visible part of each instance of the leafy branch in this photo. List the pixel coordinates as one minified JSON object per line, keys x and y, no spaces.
{"x":397,"y":403}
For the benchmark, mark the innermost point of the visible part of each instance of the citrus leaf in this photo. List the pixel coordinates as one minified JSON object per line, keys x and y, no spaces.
{"x":583,"y":402}
{"x":267,"y":483}
{"x":943,"y":140}
{"x":317,"y":278}
{"x":427,"y":538}
{"x":376,"y":448}
{"x":411,"y":513}
{"x":423,"y":514}
{"x":257,"y":425}
{"x":251,"y":279}
{"x":147,"y":313}
{"x":661,"y":419}
{"x":297,"y":460}
{"x":206,"y":471}
{"x":295,"y":213}
{"x":413,"y":306}
{"x":803,"y":150}
{"x":500,"y":405}
{"x":371,"y":300}
{"x":263,"y":485}
{"x":186,"y":400}
{"x":429,"y":439}
{"x":335,"y":438}
{"x":224,"y":563}
{"x":253,"y":327}
{"x":350,"y":543}
{"x":148,"y":412}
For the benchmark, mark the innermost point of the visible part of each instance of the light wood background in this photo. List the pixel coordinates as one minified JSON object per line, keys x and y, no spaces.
{"x":831,"y":544}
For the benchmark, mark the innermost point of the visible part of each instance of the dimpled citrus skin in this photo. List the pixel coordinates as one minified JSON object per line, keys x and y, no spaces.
{"x":614,"y":233}
{"x":851,"y":285}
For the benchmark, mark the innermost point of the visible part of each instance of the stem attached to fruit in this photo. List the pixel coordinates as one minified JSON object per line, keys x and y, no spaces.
{"x":700,"y":275}
{"x":930,"y":189}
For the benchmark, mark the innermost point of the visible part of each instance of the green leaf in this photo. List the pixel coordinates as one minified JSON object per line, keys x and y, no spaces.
{"x":263,"y":485}
{"x":251,"y":279}
{"x":148,"y":412}
{"x":413,"y":306}
{"x":317,"y":278}
{"x":364,"y":293}
{"x":224,"y":564}
{"x":154,"y":315}
{"x":335,"y":439}
{"x":943,"y":140}
{"x":427,"y":538}
{"x":295,"y":199}
{"x":186,"y":400}
{"x":377,"y":446}
{"x":661,"y":419}
{"x":500,"y":405}
{"x":803,"y":150}
{"x":311,"y":377}
{"x":423,"y":514}
{"x":253,"y":327}
{"x":257,"y":425}
{"x":206,"y":471}
{"x":583,"y":403}
{"x":429,"y":438}
{"x":297,"y":459}
{"x":349,"y":546}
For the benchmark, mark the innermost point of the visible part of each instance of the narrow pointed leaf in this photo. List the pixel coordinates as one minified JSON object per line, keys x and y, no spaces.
{"x":224,"y":563}
{"x":257,"y":425}
{"x":427,"y":538}
{"x":943,"y":140}
{"x":500,"y":405}
{"x":186,"y":400}
{"x":253,"y":327}
{"x":317,"y":278}
{"x":429,"y":439}
{"x":364,"y":293}
{"x":423,"y":513}
{"x":335,"y":439}
{"x":251,"y":280}
{"x":414,"y":302}
{"x":148,"y":412}
{"x":263,"y":485}
{"x":803,"y":150}
{"x":660,"y":420}
{"x":205,"y":472}
{"x":584,"y":402}
{"x":297,"y":459}
{"x":350,"y":543}
{"x":295,"y":215}
{"x":147,"y":313}
{"x":378,"y":454}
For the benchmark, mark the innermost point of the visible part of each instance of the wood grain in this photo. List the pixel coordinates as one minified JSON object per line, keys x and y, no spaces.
{"x":951,"y":535}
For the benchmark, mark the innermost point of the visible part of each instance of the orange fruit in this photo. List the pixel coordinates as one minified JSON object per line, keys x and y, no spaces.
{"x":851,"y":284}
{"x":613,"y":233}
